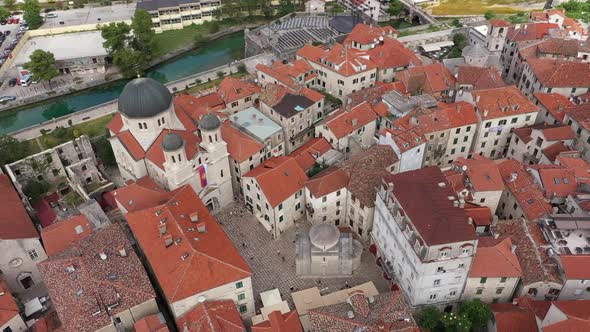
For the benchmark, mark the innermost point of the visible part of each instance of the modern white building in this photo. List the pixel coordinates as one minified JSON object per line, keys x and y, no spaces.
{"x":423,"y":238}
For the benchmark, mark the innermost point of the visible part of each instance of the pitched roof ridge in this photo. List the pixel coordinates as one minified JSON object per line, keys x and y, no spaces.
{"x":181,"y":279}
{"x":222,"y":261}
{"x":508,"y":238}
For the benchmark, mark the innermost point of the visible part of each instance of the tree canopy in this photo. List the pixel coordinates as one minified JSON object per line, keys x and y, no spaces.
{"x":12,"y":150}
{"x":489,"y":15}
{"x":132,"y":47}
{"x":396,"y":8}
{"x":10,"y":4}
{"x":4,"y":13}
{"x":476,"y":311}
{"x":42,"y":65}
{"x":429,"y":318}
{"x":32,"y":13}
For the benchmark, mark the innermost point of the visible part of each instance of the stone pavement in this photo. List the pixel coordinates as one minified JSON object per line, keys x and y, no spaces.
{"x":265,"y":257}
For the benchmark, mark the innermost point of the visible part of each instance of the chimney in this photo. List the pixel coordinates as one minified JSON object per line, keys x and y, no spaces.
{"x":496,"y":236}
{"x":122,"y":251}
{"x":162,"y":229}
{"x":103,"y":255}
{"x":354,"y":122}
{"x":168,"y":241}
{"x":201,"y":228}
{"x":513,"y":249}
{"x":194,"y":217}
{"x":485,"y":113}
{"x":477,"y":98}
{"x":470,"y":221}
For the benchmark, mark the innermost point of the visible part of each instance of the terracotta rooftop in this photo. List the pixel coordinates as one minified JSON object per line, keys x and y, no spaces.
{"x":189,"y":109}
{"x":344,"y":61}
{"x":389,"y":310}
{"x":424,"y":197}
{"x":155,"y":153}
{"x":554,"y":103}
{"x":534,"y":261}
{"x":499,"y":23}
{"x":91,"y":281}
{"x":446,"y":116}
{"x":481,"y":215}
{"x":283,"y":170}
{"x":510,"y":317}
{"x":140,"y":195}
{"x":405,"y":138}
{"x":367,"y":34}
{"x":231,"y":89}
{"x":199,"y":255}
{"x":307,"y":154}
{"x":479,"y":78}
{"x":558,"y":182}
{"x":528,"y":194}
{"x":502,"y":102}
{"x":365,"y":170}
{"x":580,"y":114}
{"x":577,"y":313}
{"x":240,"y":145}
{"x":151,"y":323}
{"x":483,"y":173}
{"x":494,"y":258}
{"x":430,"y":79}
{"x":327,"y":181}
{"x":289,"y":73}
{"x":212,"y":316}
{"x":344,"y":122}
{"x":530,"y":31}
{"x":15,"y":222}
{"x":559,"y":73}
{"x":575,"y":267}
{"x":8,"y":307}
{"x":390,"y":53}
{"x":130,"y":144}
{"x":554,"y":150}
{"x":278,"y":322}
{"x":60,"y":235}
{"x":116,"y":123}
{"x":373,"y":95}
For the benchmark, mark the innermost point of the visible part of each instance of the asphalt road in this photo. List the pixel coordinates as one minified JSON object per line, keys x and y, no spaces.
{"x":90,"y":15}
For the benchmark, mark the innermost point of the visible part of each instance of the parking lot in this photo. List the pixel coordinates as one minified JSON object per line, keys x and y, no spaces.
{"x":90,"y":15}
{"x":273,"y":261}
{"x":10,"y":40}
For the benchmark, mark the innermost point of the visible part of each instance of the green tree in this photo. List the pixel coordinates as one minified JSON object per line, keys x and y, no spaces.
{"x":42,"y":65}
{"x":10,"y":4}
{"x":4,"y":14}
{"x":36,"y":189}
{"x":476,"y":311}
{"x":143,"y":40}
{"x":460,"y":40}
{"x":456,"y":23}
{"x":129,"y":61}
{"x":12,"y":150}
{"x":456,"y":322}
{"x":115,"y":36}
{"x":32,"y":14}
{"x":396,"y":8}
{"x":286,"y":7}
{"x":489,"y":15}
{"x":214,"y":27}
{"x":429,"y":318}
{"x":199,"y":40}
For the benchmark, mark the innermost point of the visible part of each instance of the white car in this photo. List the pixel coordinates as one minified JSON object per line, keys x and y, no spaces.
{"x":51,"y":15}
{"x":23,"y":28}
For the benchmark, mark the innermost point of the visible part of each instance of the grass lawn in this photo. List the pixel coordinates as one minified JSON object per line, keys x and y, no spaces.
{"x":92,"y":128}
{"x":476,"y":7}
{"x":172,"y":40}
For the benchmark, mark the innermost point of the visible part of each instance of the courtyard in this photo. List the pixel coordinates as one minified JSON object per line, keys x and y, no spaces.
{"x":273,"y":261}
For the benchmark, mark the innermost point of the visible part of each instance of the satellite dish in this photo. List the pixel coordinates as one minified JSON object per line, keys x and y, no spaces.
{"x":464,"y":168}
{"x":380,"y":38}
{"x":201,"y":299}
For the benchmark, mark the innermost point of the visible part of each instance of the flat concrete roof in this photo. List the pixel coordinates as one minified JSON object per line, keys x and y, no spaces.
{"x":64,"y":46}
{"x":256,"y":123}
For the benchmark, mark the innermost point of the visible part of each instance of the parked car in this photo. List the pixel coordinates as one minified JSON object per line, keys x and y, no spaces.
{"x":51,"y":15}
{"x":12,"y":82}
{"x":23,"y":28}
{"x":3,"y":22}
{"x":7,"y":98}
{"x":7,"y":33}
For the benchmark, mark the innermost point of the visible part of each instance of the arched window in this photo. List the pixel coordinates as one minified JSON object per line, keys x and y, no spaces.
{"x":163,"y":120}
{"x":144,"y":125}
{"x":179,"y":158}
{"x":215,"y":137}
{"x":221,"y":173}
{"x":210,"y":139}
{"x":159,"y":122}
{"x":140,"y":125}
{"x":173,"y":160}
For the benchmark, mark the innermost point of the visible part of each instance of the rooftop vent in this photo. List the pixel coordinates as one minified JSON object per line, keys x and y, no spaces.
{"x":201,"y":227}
{"x":102,"y":255}
{"x":190,"y":229}
{"x":123,"y":252}
{"x":168,"y":241}
{"x":163,"y":221}
{"x":442,"y":184}
{"x":175,"y":203}
{"x":159,"y":212}
{"x":184,"y":256}
{"x":194,"y":217}
{"x":112,"y":276}
{"x":350,"y":314}
{"x":162,"y":229}
{"x":178,"y":240}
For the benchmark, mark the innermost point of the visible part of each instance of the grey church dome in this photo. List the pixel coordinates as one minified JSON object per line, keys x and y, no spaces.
{"x":209,"y":122}
{"x":324,"y":236}
{"x":172,"y":142}
{"x":144,"y":98}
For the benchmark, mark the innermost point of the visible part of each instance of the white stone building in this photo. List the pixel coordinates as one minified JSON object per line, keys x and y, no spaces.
{"x":423,"y":237}
{"x":528,"y":143}
{"x":150,"y":136}
{"x":172,"y":15}
{"x":409,"y":146}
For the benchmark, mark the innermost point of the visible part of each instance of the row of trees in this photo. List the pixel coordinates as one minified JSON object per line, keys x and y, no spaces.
{"x":131,"y":47}
{"x":31,"y":12}
{"x":472,"y":316}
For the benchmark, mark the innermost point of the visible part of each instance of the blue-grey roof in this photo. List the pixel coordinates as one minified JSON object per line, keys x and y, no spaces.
{"x":149,"y":5}
{"x":209,"y":122}
{"x":255,"y":123}
{"x":172,"y":142}
{"x":144,"y":98}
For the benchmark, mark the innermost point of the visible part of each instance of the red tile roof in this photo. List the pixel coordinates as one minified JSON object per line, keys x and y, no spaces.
{"x":483,"y":173}
{"x":438,"y":221}
{"x":344,"y":122}
{"x":558,"y":133}
{"x":554,"y":181}
{"x":231,"y":89}
{"x":575,"y":267}
{"x":554,"y":103}
{"x":307,"y":154}
{"x":530,"y":31}
{"x":366,"y":34}
{"x":212,"y":316}
{"x":481,"y":215}
{"x":447,"y":116}
{"x":283,"y":170}
{"x":140,"y":195}
{"x":327,"y":181}
{"x":390,"y":53}
{"x":60,"y":235}
{"x":479,"y":78}
{"x":405,"y":138}
{"x":344,"y":61}
{"x":580,"y":114}
{"x":559,"y":73}
{"x":131,"y":144}
{"x":88,"y":290}
{"x":278,"y":322}
{"x":240,"y":146}
{"x":373,"y":95}
{"x":15,"y":222}
{"x":554,"y":150}
{"x":116,"y":123}
{"x":528,"y":194}
{"x":502,"y":102}
{"x":151,"y":323}
{"x":196,"y":262}
{"x":499,"y":23}
{"x":195,"y":107}
{"x":577,"y":313}
{"x":509,"y":317}
{"x":495,"y":259}
{"x":8,"y":307}
{"x":430,"y":79}
{"x":535,"y":263}
{"x":289,"y":73}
